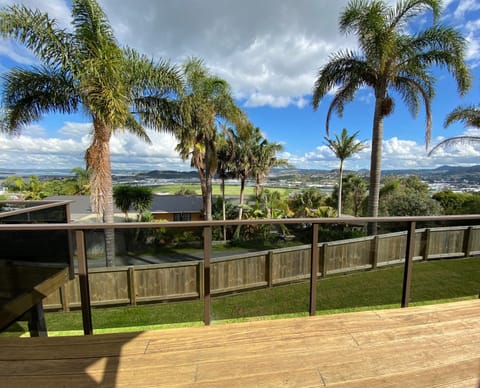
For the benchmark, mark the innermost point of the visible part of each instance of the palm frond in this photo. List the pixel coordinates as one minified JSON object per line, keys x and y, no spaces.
{"x":468,"y":115}
{"x":341,"y":68}
{"x":455,"y":140}
{"x":409,"y":89}
{"x":37,"y":32}
{"x":29,"y":94}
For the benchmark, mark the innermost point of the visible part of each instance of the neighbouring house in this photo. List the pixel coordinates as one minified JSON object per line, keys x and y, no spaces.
{"x":164,"y":207}
{"x":177,"y":207}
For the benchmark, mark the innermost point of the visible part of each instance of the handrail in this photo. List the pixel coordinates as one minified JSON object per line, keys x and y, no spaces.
{"x":80,"y":228}
{"x":214,"y":223}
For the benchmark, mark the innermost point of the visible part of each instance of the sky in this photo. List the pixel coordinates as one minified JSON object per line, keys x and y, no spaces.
{"x":270,"y":52}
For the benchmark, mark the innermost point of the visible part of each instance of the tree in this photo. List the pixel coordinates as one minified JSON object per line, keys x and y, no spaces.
{"x":123,"y":198}
{"x":343,"y":147}
{"x":207,"y":104}
{"x":354,"y":192}
{"x":264,"y":158}
{"x":138,"y":197}
{"x":225,"y":167}
{"x":407,"y":196}
{"x":85,"y":70}
{"x":306,"y":202}
{"x":470,"y":117}
{"x":390,"y":60}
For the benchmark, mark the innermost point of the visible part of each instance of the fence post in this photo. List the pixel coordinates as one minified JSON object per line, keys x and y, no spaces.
{"x":64,"y":296}
{"x":269,"y":269}
{"x":407,"y":273}
{"x":426,"y":248}
{"x":84,"y":283}
{"x":207,"y":251}
{"x":323,"y":259}
{"x":132,"y":286}
{"x":374,"y":248}
{"x":313,"y":270}
{"x":467,"y":237}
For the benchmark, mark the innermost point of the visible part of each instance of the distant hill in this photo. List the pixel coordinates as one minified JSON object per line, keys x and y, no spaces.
{"x":168,"y":174}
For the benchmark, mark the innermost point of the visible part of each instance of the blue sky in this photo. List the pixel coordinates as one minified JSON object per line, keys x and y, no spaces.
{"x":269,"y":52}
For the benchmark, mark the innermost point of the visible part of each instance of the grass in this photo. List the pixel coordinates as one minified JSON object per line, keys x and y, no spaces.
{"x":432,"y":282}
{"x":230,"y":190}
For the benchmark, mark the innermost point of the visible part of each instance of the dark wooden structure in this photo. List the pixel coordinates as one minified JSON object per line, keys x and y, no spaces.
{"x":33,"y":263}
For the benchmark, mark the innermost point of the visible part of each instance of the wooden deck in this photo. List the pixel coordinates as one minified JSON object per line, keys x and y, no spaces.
{"x":427,"y":346}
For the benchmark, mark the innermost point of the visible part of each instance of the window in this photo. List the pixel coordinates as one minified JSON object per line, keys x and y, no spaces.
{"x":182,"y":217}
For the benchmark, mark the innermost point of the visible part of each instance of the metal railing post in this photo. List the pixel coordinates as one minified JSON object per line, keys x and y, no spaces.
{"x":84,"y":283}
{"x":314,"y":270}
{"x":407,"y":273}
{"x":207,"y":252}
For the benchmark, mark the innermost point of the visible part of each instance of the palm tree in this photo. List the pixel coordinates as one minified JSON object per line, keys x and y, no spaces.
{"x":225,"y":167}
{"x":207,"y":104}
{"x":389,"y":59}
{"x":470,"y":117}
{"x":343,"y":147}
{"x":84,"y":70}
{"x":264,"y":159}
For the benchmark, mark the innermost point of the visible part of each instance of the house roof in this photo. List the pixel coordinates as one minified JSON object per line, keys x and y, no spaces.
{"x":80,"y":204}
{"x":176,"y":204}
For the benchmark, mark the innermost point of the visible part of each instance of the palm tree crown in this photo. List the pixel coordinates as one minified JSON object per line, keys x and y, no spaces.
{"x":390,"y":60}
{"x":86,"y":70}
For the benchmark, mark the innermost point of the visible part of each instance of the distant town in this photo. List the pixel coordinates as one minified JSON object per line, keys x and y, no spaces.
{"x":455,"y":178}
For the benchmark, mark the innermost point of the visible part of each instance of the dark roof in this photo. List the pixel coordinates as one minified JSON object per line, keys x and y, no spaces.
{"x":161,"y":203}
{"x":176,"y":204}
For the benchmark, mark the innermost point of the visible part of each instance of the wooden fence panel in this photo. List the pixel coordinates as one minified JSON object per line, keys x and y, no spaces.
{"x":291,"y":264}
{"x":109,"y":287}
{"x":475,"y":241}
{"x":243,"y":273}
{"x":348,"y":255}
{"x":166,"y":282}
{"x":446,"y":242}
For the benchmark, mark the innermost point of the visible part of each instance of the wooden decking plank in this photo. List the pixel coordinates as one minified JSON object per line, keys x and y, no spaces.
{"x":369,"y":348}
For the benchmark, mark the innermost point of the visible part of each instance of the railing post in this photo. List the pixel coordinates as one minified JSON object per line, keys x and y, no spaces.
{"x":84,"y":283}
{"x":407,"y":273}
{"x":313,"y":270}
{"x":207,"y":251}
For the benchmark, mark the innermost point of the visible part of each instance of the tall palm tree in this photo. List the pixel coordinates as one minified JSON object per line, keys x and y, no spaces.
{"x":264,"y":159}
{"x":470,"y":117}
{"x":343,"y":147}
{"x":84,"y":70}
{"x":207,"y":104}
{"x":390,"y":60}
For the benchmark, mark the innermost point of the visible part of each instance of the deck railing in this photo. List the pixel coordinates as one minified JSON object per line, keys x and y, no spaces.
{"x":318,"y":260}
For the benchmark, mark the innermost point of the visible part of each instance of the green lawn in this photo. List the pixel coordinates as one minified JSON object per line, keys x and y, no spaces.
{"x":229,"y":190}
{"x":432,"y":282}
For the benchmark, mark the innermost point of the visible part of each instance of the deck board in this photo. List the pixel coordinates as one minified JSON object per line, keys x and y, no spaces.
{"x":436,"y":345}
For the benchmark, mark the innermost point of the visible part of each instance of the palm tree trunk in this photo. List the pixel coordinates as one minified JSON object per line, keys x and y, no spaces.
{"x":240,"y":209}
{"x":340,"y":184}
{"x":98,"y":159}
{"x":375,"y":164}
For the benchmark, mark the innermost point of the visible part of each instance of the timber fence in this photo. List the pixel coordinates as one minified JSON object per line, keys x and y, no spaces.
{"x":185,"y":280}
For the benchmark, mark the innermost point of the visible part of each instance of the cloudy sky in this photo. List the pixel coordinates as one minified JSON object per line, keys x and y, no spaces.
{"x":269,"y":51}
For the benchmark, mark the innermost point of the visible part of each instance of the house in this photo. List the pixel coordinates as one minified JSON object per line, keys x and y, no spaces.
{"x":177,"y":207}
{"x":164,"y":207}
